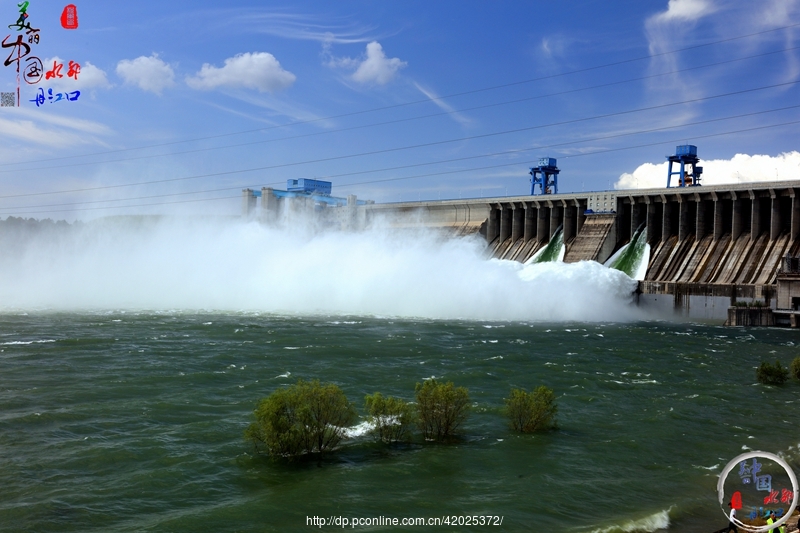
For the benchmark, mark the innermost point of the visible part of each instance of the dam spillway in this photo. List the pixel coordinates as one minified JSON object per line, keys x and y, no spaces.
{"x":711,"y":246}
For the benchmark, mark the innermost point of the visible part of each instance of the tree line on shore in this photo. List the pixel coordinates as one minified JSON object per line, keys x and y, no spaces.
{"x":312,"y":418}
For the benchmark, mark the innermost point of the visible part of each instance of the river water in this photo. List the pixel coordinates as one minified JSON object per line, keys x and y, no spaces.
{"x":132,"y":354}
{"x":133,"y":421}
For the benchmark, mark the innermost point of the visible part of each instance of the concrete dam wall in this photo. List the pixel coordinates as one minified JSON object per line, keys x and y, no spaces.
{"x":711,"y":246}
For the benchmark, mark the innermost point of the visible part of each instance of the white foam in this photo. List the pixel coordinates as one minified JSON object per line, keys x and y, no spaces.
{"x":27,"y":342}
{"x":359,"y":430}
{"x":236,"y":266}
{"x":653,"y":522}
{"x":715,"y":467}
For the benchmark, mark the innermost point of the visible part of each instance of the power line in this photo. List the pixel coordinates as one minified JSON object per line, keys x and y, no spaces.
{"x":408,"y":119}
{"x":596,"y":152}
{"x":410,"y":147}
{"x":414,"y":102}
{"x":136,"y":205}
{"x":452,"y":160}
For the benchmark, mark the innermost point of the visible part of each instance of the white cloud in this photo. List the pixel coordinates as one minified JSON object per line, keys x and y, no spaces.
{"x":29,"y":131}
{"x":458,"y":117}
{"x":321,"y":28}
{"x":82,"y":125}
{"x":259,"y":70}
{"x":377,"y":68}
{"x":148,"y":73}
{"x":668,"y":30}
{"x":546,"y":47}
{"x":742,"y":168}
{"x":45,"y":129}
{"x":89,"y":76}
{"x":555,"y":46}
{"x":686,"y":10}
{"x":374,"y":67}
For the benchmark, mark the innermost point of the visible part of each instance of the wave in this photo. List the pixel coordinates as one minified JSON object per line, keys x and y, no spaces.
{"x":648,"y":524}
{"x":43,"y":341}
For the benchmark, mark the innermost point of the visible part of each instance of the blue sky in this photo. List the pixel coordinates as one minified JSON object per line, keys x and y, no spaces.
{"x":187,"y":101}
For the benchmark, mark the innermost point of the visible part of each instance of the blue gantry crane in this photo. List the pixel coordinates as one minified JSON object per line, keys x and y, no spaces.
{"x":545,"y":176}
{"x":686,"y":155}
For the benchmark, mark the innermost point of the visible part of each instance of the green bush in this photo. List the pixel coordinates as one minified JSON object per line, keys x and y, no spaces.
{"x":795,"y":368}
{"x":772,"y":374}
{"x":308,"y":417}
{"x":391,"y":417}
{"x":441,"y":409}
{"x":532,"y":411}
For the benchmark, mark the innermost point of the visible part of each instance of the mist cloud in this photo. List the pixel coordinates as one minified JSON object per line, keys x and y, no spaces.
{"x":232,"y":265}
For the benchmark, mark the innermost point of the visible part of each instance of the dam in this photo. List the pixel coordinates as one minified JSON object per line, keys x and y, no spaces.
{"x":712,"y":247}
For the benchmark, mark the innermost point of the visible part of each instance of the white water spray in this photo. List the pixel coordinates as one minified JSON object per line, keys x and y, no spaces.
{"x":235,"y":266}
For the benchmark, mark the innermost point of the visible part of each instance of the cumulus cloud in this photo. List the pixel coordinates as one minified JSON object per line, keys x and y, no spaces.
{"x":88,"y":77}
{"x":741,"y":168}
{"x":685,"y":10}
{"x":377,"y":68}
{"x":257,"y":70}
{"x":372,"y":68}
{"x":148,"y":73}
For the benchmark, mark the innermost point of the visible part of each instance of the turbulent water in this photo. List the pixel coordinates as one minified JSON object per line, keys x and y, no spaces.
{"x":133,"y":421}
{"x":118,"y":412}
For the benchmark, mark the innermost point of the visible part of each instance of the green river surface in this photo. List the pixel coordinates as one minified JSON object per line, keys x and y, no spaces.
{"x":133,"y":421}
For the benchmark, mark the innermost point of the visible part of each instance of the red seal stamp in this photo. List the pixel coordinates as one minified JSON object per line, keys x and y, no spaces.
{"x":69,"y":17}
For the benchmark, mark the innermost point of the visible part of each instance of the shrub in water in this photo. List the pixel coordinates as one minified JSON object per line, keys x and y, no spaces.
{"x":795,"y":368}
{"x":441,"y":408}
{"x":532,"y":411}
{"x":772,"y":374}
{"x":390,"y":417}
{"x":308,"y":417}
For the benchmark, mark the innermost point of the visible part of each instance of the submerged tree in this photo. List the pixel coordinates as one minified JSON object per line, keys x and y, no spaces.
{"x":441,"y":409}
{"x":795,"y":368}
{"x":307,"y":417}
{"x":772,"y":374}
{"x":532,"y":411}
{"x":390,"y":417}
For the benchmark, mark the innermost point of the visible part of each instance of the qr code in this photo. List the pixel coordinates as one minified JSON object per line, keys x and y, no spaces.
{"x":8,"y":100}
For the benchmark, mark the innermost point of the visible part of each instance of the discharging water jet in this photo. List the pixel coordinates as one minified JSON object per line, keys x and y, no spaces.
{"x":634,"y":257}
{"x":554,"y":251}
